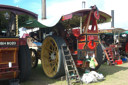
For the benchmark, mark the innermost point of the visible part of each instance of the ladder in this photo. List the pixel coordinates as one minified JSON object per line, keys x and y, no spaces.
{"x":72,"y":75}
{"x":109,"y":55}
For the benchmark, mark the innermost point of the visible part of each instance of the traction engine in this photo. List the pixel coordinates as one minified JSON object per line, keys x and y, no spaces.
{"x":74,"y":39}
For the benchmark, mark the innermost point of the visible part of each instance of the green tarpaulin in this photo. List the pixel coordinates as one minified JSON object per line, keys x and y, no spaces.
{"x":32,"y":24}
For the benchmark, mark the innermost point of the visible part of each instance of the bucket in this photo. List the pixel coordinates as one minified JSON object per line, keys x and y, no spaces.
{"x":118,"y":62}
{"x":124,"y":59}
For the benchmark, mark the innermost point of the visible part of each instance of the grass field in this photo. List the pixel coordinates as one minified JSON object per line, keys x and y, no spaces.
{"x":114,"y":75}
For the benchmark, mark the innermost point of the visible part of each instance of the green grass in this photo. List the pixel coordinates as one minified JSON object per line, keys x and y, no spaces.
{"x":114,"y":75}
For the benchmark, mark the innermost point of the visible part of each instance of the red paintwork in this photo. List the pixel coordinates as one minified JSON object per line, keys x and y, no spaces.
{"x":126,"y":47}
{"x":65,"y":17}
{"x":81,"y":45}
{"x":79,"y":63}
{"x":23,"y":41}
{"x":81,"y":38}
{"x":94,"y":28}
{"x":84,"y":43}
{"x":76,"y":32}
{"x":97,"y":16}
{"x":90,"y":45}
{"x":92,"y":37}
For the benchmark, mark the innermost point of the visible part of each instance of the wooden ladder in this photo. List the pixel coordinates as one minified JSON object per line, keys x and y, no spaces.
{"x":72,"y":75}
{"x":109,"y":55}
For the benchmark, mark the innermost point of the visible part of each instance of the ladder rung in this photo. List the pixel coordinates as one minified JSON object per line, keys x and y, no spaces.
{"x":64,"y":46}
{"x":71,"y":70}
{"x":110,"y":57}
{"x":67,"y":54}
{"x":66,"y":50}
{"x":70,"y":65}
{"x":69,"y":60}
{"x":73,"y":76}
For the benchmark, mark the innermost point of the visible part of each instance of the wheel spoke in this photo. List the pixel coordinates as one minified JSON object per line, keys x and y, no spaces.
{"x":53,"y":62}
{"x":51,"y":69}
{"x":47,"y":48}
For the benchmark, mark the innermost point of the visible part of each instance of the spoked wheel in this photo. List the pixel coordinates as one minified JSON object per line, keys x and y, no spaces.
{"x":34,"y":58}
{"x":51,"y":56}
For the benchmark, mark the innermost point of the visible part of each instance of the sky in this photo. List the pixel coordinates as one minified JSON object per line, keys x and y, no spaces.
{"x":61,"y":7}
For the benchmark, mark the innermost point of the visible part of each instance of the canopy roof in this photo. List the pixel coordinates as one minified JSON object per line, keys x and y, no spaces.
{"x":17,"y":10}
{"x":71,"y":20}
{"x":103,"y":16}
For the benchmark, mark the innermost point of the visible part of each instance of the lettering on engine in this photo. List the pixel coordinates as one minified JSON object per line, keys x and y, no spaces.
{"x":8,"y":43}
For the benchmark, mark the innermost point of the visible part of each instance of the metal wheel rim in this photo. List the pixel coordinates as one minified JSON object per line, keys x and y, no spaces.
{"x":33,"y":58}
{"x":50,"y":57}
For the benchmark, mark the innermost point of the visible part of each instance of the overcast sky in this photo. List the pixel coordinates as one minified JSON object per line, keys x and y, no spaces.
{"x":60,"y":7}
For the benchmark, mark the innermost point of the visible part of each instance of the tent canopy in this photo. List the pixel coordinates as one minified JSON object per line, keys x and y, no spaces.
{"x":32,"y":24}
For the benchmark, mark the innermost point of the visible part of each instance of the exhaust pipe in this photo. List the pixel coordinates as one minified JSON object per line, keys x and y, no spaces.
{"x":112,"y":14}
{"x":83,"y":4}
{"x":43,"y":9}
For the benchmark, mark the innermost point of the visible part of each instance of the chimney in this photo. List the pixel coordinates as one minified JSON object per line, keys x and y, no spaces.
{"x":43,"y":9}
{"x":83,"y":4}
{"x":112,"y":14}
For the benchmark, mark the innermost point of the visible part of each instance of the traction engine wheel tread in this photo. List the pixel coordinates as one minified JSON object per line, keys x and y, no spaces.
{"x":52,"y":46}
{"x":24,"y":62}
{"x":99,"y":56}
{"x":34,"y":58}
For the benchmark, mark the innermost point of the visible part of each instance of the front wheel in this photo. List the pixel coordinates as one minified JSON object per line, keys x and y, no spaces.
{"x":34,"y":58}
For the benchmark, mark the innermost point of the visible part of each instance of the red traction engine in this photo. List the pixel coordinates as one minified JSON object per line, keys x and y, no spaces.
{"x":87,"y":42}
{"x":79,"y":32}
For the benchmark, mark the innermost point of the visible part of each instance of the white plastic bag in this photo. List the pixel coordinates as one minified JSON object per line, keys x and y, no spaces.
{"x":92,"y":76}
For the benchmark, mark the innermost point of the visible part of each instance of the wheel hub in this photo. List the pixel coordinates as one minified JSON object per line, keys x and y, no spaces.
{"x":53,"y":56}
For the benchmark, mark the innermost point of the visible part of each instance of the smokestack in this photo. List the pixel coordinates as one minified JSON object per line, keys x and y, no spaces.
{"x":83,"y":4}
{"x":112,"y":14}
{"x":43,"y":9}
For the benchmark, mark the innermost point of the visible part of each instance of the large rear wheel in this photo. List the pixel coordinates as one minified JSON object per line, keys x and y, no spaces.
{"x":51,"y":56}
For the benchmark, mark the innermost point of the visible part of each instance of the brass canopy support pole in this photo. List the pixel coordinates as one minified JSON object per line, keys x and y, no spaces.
{"x":17,"y":30}
{"x":88,"y":22}
{"x":81,"y":31}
